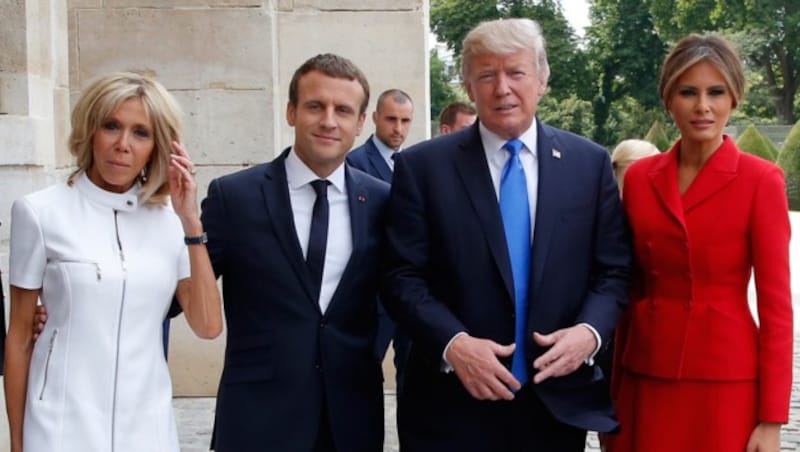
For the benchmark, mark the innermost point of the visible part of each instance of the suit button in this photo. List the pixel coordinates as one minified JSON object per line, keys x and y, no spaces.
{"x":322,"y":324}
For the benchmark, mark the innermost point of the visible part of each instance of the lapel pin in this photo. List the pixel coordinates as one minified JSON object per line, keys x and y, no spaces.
{"x":362,"y":198}
{"x":556,"y":154}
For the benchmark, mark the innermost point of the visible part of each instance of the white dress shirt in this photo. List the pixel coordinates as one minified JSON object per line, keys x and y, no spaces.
{"x":340,"y":240}
{"x":497,"y":157}
{"x":385,"y":151}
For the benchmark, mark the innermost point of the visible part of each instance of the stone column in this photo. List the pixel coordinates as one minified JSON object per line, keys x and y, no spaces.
{"x":34,"y":100}
{"x":34,"y":109}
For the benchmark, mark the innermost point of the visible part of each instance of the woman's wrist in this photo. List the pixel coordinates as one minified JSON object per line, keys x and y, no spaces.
{"x":192,"y":228}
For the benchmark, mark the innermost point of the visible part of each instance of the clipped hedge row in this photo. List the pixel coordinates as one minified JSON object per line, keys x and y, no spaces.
{"x":756,"y":143}
{"x":789,"y":161}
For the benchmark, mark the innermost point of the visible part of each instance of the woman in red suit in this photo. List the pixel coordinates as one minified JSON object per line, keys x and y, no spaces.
{"x":694,"y":371}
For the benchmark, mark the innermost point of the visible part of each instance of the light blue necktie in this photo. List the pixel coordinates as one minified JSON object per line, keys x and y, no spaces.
{"x":515,"y":211}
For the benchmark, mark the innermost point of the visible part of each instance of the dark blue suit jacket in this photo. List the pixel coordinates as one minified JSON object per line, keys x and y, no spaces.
{"x":449,"y":271}
{"x":285,"y":360}
{"x":368,"y":159}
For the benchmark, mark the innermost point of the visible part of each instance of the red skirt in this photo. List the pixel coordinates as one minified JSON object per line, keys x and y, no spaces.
{"x":659,"y":415}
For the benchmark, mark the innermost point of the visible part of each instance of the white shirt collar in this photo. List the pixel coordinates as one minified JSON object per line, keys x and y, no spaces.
{"x":386,"y":151}
{"x":299,"y":174}
{"x":493,"y":144}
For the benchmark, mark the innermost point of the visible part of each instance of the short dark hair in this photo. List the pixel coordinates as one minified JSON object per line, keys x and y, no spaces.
{"x":397,"y":95}
{"x":451,"y":111}
{"x":333,"y":66}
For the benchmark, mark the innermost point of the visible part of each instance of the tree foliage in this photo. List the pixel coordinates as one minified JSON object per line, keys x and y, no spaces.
{"x":573,"y":114}
{"x":441,"y":91}
{"x":766,"y":31}
{"x":451,"y":20}
{"x":617,"y":66}
{"x":625,"y":52}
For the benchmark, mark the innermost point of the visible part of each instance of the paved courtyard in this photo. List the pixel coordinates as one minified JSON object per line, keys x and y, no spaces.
{"x":195,"y":417}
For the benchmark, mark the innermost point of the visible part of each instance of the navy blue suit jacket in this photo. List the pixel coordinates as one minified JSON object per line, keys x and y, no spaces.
{"x":368,"y":159}
{"x":285,"y":360}
{"x":448,"y":270}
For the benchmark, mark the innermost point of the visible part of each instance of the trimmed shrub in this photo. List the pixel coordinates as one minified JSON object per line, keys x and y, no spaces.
{"x":658,"y":137}
{"x":753,"y":142}
{"x":789,"y":161}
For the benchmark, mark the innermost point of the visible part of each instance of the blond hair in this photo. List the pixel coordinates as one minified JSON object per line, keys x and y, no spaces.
{"x":627,"y":152}
{"x":101,"y":99}
{"x":505,"y":37}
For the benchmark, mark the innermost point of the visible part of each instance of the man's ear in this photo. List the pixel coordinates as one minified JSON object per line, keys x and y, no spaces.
{"x":291,"y":113}
{"x":361,"y":119}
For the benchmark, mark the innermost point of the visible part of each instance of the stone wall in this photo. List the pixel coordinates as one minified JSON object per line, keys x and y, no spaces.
{"x":228,"y":62}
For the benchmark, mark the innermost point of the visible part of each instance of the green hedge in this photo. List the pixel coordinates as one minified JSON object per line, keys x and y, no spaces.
{"x":658,"y":137}
{"x":789,"y":160}
{"x":753,"y":142}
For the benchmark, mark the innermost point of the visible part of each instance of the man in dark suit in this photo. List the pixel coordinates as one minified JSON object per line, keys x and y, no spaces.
{"x":296,"y":242}
{"x":393,"y":114}
{"x":508,"y":265}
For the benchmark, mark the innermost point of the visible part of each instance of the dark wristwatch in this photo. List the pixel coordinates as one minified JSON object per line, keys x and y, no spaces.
{"x":196,"y":240}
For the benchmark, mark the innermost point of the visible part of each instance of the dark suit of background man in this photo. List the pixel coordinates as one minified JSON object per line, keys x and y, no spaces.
{"x":392,"y":117}
{"x":299,"y":371}
{"x":487,"y":250}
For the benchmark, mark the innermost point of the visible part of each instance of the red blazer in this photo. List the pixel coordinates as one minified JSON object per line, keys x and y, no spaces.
{"x":695,"y":253}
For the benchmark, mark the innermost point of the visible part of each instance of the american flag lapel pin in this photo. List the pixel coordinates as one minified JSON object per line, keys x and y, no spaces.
{"x":362,"y":198}
{"x":556,"y":154}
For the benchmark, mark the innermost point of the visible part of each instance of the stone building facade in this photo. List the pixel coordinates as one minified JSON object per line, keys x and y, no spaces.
{"x":228,"y":62}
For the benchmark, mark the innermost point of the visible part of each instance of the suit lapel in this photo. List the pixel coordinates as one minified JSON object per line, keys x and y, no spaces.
{"x":551,"y":172}
{"x":279,"y":211}
{"x":357,"y":200}
{"x":377,"y":161}
{"x":716,"y":173}
{"x":664,"y":182}
{"x":473,"y":169}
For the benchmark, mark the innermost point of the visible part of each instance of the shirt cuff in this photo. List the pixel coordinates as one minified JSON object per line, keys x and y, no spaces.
{"x":446,"y":367}
{"x":590,"y":359}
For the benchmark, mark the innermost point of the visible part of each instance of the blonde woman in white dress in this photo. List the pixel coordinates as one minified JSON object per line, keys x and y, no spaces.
{"x":105,"y":252}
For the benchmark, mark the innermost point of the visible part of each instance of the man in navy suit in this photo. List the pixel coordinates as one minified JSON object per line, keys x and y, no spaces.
{"x":392,"y":117}
{"x":296,"y":242}
{"x":508,"y":265}
{"x":393,"y":114}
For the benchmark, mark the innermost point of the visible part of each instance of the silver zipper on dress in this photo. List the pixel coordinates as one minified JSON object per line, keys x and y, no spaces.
{"x":119,"y":331}
{"x":47,"y":362}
